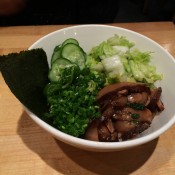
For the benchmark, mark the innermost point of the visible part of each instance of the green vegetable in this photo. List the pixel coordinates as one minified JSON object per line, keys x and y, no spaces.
{"x":74,"y":53}
{"x":105,"y":58}
{"x":71,"y":93}
{"x":70,"y":40}
{"x":137,"y":65}
{"x":120,"y":41}
{"x":135,"y":116}
{"x":136,"y":106}
{"x":94,"y":64}
{"x":63,"y":68}
{"x":114,"y":68}
{"x":56,"y":53}
{"x":115,"y":58}
{"x":102,"y":51}
{"x":72,"y":107}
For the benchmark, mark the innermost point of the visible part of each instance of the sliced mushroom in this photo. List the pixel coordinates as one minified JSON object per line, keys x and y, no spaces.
{"x":124,"y":126}
{"x":108,"y":112}
{"x":127,"y":109}
{"x":160,"y":105}
{"x":114,"y":136}
{"x":104,"y":134}
{"x":122,"y":115}
{"x":110,"y":91}
{"x":119,"y":102}
{"x":143,"y":115}
{"x":123,"y":92}
{"x":154,"y":98}
{"x":109,"y":124}
{"x":91,"y":132}
{"x":140,"y":98}
{"x":126,"y":115}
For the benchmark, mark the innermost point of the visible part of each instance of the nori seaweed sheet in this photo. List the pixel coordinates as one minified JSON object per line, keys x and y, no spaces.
{"x":26,"y":74}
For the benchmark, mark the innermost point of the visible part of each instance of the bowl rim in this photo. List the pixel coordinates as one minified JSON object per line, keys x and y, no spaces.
{"x":99,"y":145}
{"x":94,"y":144}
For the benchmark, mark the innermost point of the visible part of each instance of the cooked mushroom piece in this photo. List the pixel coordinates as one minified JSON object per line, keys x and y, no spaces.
{"x":112,"y":90}
{"x":109,"y":124}
{"x":154,"y":98}
{"x":133,"y":132}
{"x":108,"y":112}
{"x":144,"y":115}
{"x":91,"y":132}
{"x":140,"y":98}
{"x":119,"y":102}
{"x":160,"y":105}
{"x":127,"y":109}
{"x":104,"y":134}
{"x":124,"y":126}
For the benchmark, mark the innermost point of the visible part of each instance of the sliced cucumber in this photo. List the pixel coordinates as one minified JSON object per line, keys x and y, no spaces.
{"x":56,"y":54}
{"x":57,"y":48}
{"x":70,"y":40}
{"x":69,"y":74}
{"x":57,"y":66}
{"x":74,"y":53}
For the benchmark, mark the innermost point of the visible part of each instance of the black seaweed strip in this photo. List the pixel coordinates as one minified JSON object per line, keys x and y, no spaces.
{"x":26,"y":74}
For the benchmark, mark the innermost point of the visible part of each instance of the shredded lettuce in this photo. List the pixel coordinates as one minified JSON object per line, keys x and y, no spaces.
{"x":102,"y":51}
{"x":120,"y":63}
{"x":141,"y":57}
{"x":117,"y":40}
{"x":94,"y":64}
{"x":138,"y":65}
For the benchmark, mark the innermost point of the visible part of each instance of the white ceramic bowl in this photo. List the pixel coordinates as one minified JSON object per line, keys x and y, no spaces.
{"x":91,"y":35}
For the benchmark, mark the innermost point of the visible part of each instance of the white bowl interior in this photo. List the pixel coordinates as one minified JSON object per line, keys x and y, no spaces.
{"x":90,"y":36}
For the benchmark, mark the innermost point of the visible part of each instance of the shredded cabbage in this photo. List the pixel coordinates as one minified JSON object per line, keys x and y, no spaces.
{"x":121,"y":63}
{"x":117,"y":40}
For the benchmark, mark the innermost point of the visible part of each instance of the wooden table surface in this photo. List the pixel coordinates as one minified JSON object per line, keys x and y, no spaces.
{"x":26,"y":149}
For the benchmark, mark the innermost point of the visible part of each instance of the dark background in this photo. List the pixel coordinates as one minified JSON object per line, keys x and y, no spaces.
{"x":43,"y":12}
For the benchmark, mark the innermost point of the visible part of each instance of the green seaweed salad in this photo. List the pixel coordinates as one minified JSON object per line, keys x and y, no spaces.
{"x":76,"y":77}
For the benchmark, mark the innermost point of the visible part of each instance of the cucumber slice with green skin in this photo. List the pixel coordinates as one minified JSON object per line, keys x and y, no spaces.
{"x":74,"y":53}
{"x":59,"y":66}
{"x":57,"y":50}
{"x":70,"y":40}
{"x":56,"y":54}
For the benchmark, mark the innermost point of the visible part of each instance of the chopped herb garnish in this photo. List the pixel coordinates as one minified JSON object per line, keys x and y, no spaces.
{"x":136,"y":122}
{"x":135,"y":116}
{"x":72,"y":107}
{"x":136,"y":106}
